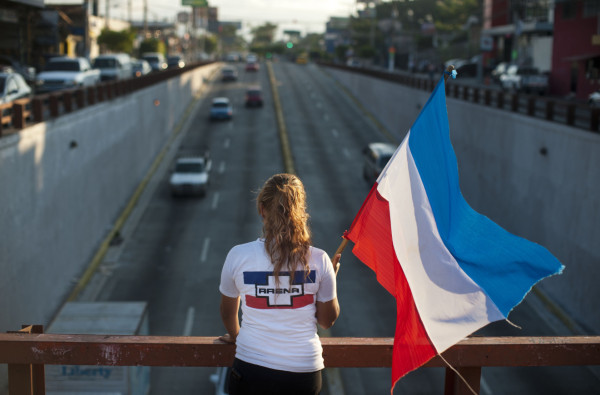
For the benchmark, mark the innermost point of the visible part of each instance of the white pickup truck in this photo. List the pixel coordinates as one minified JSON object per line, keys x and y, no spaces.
{"x":66,"y":73}
{"x":524,"y":79}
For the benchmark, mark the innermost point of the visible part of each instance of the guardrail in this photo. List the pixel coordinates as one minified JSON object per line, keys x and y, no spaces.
{"x":22,"y":113}
{"x":27,"y":351}
{"x":567,"y":112}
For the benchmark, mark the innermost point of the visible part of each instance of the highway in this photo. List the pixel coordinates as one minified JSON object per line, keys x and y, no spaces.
{"x":173,"y":249}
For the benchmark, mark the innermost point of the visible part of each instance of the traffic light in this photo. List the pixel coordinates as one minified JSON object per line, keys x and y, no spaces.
{"x":290,"y":45}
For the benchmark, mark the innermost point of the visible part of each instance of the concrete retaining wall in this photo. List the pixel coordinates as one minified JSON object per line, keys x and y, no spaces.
{"x":552,"y":199}
{"x":64,"y":183}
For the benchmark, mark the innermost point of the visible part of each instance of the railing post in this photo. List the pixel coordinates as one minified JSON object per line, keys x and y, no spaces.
{"x":27,"y":379}
{"x":594,"y":113}
{"x":514,"y":105}
{"x":53,"y":105}
{"x":100,"y":92}
{"x":487,"y":97}
{"x":454,"y":385}
{"x":108,"y":89}
{"x":37,"y":105}
{"x":571,"y":114}
{"x":79,"y":93}
{"x":67,"y":97}
{"x":531,"y":106}
{"x":549,"y":110}
{"x":4,"y":118}
{"x":20,"y":113}
{"x":500,"y":101}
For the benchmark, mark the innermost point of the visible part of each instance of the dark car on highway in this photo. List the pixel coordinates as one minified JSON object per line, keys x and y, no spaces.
{"x":221,"y":109}
{"x":376,"y":156}
{"x":254,"y":97}
{"x":252,"y":66}
{"x":229,"y":74}
{"x":175,"y":62}
{"x":156,"y":60}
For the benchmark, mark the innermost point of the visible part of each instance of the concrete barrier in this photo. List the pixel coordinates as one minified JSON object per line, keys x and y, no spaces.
{"x":535,"y":178}
{"x":64,"y":183}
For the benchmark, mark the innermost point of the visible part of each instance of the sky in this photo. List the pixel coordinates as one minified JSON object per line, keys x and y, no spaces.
{"x":303,"y":15}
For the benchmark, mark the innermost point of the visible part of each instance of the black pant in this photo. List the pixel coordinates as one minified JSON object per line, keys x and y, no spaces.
{"x":248,"y":379}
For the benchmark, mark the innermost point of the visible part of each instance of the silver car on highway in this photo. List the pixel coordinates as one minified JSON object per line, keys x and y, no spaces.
{"x":191,"y":176}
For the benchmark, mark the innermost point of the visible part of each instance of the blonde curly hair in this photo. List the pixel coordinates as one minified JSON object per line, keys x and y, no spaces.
{"x":282,"y":204}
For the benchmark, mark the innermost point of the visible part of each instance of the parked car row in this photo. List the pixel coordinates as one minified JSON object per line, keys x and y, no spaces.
{"x":62,"y":72}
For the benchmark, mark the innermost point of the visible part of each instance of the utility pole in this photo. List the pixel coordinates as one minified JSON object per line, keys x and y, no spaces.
{"x":106,"y":14}
{"x":86,"y":27}
{"x":129,"y":17}
{"x":373,"y":17}
{"x":145,"y":19}
{"x":193,"y":36}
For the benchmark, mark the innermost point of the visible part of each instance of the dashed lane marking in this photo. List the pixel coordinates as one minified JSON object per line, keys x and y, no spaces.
{"x":215,"y":201}
{"x":205,"y":248}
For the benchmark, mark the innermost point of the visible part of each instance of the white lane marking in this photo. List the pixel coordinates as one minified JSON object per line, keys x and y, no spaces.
{"x":221,"y":167}
{"x":227,"y":143}
{"x":205,"y":247}
{"x":346,"y":153}
{"x":215,"y":201}
{"x":189,"y":321}
{"x":335,"y":133}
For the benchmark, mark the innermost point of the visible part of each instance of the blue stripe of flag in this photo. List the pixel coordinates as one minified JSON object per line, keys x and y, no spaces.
{"x":504,"y":265}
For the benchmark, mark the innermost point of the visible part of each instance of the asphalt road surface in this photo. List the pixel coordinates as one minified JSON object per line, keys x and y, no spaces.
{"x":173,"y":248}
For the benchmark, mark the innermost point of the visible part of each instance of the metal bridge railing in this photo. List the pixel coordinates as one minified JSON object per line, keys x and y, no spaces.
{"x":27,"y":351}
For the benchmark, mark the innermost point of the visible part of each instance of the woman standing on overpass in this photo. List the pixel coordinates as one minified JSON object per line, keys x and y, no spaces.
{"x":286,"y":288}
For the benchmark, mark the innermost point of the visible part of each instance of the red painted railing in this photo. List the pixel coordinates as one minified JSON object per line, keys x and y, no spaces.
{"x":19,"y":114}
{"x":27,"y":351}
{"x":567,"y":112}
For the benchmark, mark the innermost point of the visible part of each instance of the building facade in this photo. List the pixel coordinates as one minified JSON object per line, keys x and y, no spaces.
{"x":576,"y":53}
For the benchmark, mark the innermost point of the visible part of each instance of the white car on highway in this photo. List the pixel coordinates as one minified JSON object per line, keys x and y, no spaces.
{"x":191,"y":176}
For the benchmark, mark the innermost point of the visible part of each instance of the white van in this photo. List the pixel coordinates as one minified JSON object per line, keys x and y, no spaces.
{"x":113,"y":66}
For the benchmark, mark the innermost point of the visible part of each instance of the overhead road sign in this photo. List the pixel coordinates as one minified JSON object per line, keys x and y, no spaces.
{"x":195,"y":3}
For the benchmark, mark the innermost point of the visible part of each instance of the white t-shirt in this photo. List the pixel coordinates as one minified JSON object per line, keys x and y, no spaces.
{"x":279,"y":327}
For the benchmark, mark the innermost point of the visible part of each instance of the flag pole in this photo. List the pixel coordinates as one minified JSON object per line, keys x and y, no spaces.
{"x":342,"y":246}
{"x":448,"y":72}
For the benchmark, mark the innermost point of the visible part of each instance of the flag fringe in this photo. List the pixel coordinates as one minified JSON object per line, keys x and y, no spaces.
{"x":459,"y":375}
